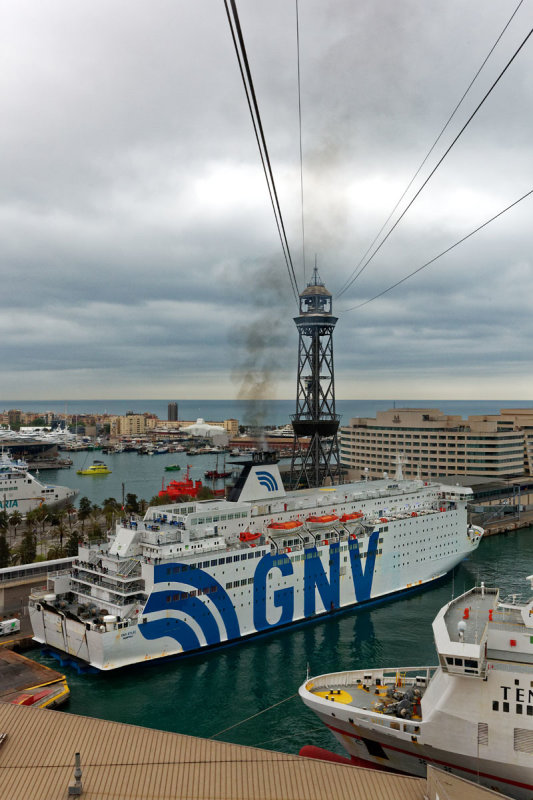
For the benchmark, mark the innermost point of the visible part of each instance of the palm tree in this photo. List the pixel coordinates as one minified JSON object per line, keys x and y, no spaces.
{"x":70,"y":512}
{"x":59,"y":529}
{"x":15,"y":519}
{"x":84,"y":509}
{"x":41,"y":515}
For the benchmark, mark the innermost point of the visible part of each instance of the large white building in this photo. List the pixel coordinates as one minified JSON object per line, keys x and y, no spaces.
{"x":437,"y":444}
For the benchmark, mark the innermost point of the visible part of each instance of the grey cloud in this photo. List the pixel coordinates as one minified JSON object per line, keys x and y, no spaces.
{"x":136,"y":234}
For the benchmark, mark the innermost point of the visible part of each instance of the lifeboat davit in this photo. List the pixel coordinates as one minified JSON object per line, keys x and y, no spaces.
{"x":290,"y":525}
{"x":319,"y":522}
{"x":248,"y":536}
{"x":349,"y":519}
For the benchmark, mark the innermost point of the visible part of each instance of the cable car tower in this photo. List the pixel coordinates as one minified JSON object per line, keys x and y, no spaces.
{"x":315,"y":394}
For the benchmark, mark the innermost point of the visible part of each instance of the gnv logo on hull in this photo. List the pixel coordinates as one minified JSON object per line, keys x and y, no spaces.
{"x":197,"y":625}
{"x":267,"y":480}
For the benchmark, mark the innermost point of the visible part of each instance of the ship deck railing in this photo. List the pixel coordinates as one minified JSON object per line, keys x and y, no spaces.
{"x":359,"y":691}
{"x":388,"y":676}
{"x":115,"y":588}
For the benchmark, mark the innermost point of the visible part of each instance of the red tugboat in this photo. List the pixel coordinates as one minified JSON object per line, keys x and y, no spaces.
{"x":185,"y":488}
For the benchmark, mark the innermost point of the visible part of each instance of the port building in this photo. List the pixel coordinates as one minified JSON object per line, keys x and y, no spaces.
{"x":436,"y":444}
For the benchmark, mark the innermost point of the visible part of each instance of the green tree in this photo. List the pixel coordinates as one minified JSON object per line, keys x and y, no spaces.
{"x":38,"y":422}
{"x":111,"y":509}
{"x":60,"y":527}
{"x":15,"y":519}
{"x":30,"y":519}
{"x":70,"y":512}
{"x":72,"y":545}
{"x":28,"y":548}
{"x":4,"y":520}
{"x":5,"y":553}
{"x":132,"y":504}
{"x":205,"y":493}
{"x":84,"y":510}
{"x":42,"y":515}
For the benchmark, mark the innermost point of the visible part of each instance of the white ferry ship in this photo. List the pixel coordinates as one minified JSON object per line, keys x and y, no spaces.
{"x":471,"y":715}
{"x":21,"y":491}
{"x":199,"y":574}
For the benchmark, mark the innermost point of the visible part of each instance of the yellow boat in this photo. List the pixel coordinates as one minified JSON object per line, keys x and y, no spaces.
{"x":97,"y":468}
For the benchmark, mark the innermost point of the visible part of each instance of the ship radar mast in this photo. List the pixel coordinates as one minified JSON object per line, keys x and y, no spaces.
{"x":315,"y":420}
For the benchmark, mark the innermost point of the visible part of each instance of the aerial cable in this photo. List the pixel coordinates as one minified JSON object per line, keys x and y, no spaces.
{"x":261,"y":143}
{"x":432,"y":261}
{"x":300,"y":130}
{"x":244,"y":67}
{"x":369,"y":248}
{"x":439,"y":162}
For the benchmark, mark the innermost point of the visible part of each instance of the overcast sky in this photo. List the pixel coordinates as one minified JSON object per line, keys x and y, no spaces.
{"x":138,"y":251}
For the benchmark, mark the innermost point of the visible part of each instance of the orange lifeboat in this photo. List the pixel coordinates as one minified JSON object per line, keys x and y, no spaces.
{"x":290,"y":525}
{"x":325,"y":519}
{"x":350,"y":518}
{"x":248,"y":536}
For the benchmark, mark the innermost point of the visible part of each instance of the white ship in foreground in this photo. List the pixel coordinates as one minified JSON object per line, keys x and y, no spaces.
{"x":21,"y":491}
{"x":472,"y":715}
{"x":198,"y":574}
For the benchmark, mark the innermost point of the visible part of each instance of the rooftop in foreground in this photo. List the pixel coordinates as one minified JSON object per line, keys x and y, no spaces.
{"x":126,"y":762}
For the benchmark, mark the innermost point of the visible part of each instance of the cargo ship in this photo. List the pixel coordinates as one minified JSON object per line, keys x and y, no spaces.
{"x":198,"y":574}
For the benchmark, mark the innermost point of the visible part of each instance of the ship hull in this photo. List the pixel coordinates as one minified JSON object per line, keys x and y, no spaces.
{"x":303,"y":591}
{"x":412,"y":758}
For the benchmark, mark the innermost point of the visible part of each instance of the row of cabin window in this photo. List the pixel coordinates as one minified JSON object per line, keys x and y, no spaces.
{"x":218,"y":518}
{"x":505,"y":707}
{"x":214,"y":562}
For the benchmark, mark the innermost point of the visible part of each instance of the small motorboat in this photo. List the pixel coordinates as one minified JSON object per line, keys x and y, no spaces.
{"x":96,"y":468}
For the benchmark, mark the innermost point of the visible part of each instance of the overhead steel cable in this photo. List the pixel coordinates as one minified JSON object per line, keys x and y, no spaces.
{"x":452,"y":115}
{"x":443,"y":253}
{"x":244,"y":67}
{"x":439,"y":162}
{"x":300,"y":130}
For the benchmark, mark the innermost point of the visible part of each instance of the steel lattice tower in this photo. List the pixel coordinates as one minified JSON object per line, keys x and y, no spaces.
{"x":315,"y":394}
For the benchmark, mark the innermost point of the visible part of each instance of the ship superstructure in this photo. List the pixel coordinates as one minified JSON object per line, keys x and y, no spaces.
{"x":21,"y":491}
{"x":197,"y":574}
{"x":471,"y":715}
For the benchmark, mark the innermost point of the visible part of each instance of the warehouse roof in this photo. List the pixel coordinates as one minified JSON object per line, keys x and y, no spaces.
{"x":125,"y":762}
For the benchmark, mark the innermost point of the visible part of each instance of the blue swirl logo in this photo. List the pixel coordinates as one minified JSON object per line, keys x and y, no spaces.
{"x":267,"y":480}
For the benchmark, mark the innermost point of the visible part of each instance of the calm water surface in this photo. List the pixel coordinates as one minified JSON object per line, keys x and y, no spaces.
{"x":206,"y":694}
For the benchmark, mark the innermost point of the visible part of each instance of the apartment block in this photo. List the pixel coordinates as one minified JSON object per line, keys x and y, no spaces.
{"x":130,"y":425}
{"x":435,"y":444}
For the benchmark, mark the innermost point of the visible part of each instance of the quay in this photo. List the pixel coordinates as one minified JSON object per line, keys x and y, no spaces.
{"x":38,"y":751}
{"x":26,"y":683}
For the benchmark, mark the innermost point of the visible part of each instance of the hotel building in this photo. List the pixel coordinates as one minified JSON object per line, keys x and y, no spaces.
{"x":436,"y":444}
